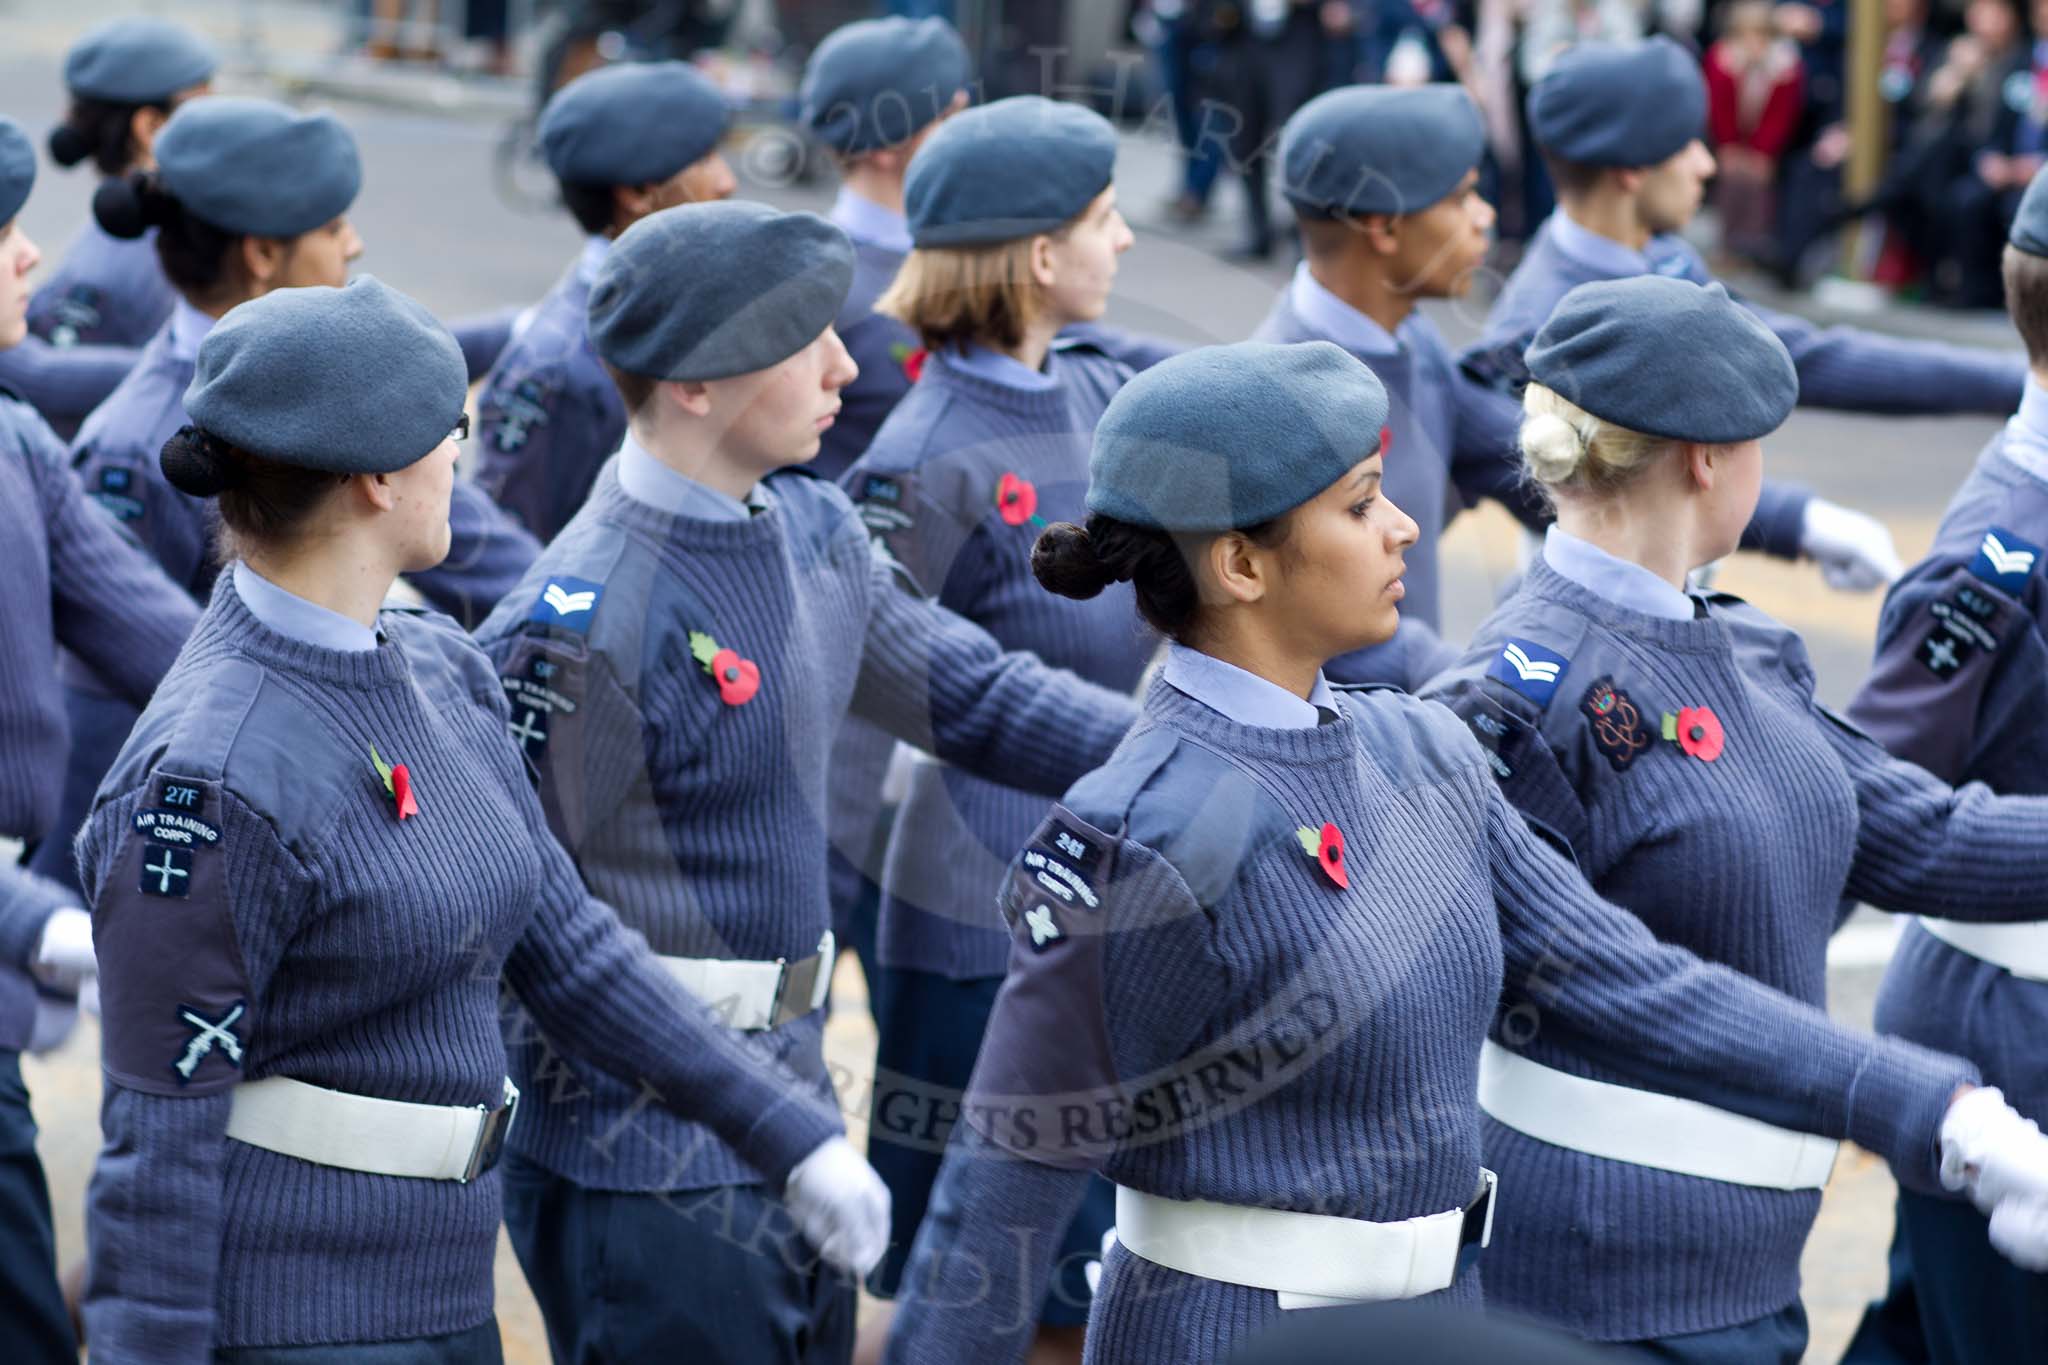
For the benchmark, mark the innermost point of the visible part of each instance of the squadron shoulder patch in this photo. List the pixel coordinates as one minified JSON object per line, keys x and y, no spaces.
{"x":1530,"y":669}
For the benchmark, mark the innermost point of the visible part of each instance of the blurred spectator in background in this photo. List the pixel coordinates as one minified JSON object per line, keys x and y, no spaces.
{"x":1755,"y":95}
{"x":1978,"y":207}
{"x":1170,"y":29}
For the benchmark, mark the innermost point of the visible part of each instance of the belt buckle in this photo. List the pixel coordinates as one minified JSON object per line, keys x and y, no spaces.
{"x":491,"y":1132}
{"x":1478,"y":1227}
{"x":796,"y":987}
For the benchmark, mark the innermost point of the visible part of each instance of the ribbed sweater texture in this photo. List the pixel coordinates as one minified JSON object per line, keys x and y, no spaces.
{"x":370,"y":954}
{"x":1346,"y":1022}
{"x":1839,"y":367}
{"x":76,"y":580}
{"x":1742,"y":860}
{"x":928,"y":489}
{"x":703,"y":821}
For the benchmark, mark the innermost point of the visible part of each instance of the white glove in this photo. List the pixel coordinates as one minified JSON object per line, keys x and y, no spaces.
{"x":1091,"y":1271}
{"x":841,"y":1205}
{"x":1991,"y":1153}
{"x":1855,"y":552}
{"x":64,"y":955}
{"x":2019,"y":1232}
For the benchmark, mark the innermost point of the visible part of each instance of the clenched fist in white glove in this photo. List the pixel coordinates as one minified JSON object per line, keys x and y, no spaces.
{"x":841,"y":1205}
{"x":2001,"y":1161}
{"x":64,"y":954}
{"x":1855,"y":552}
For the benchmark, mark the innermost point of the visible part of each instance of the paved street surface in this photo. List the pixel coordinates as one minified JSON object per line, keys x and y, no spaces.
{"x":436,"y":226}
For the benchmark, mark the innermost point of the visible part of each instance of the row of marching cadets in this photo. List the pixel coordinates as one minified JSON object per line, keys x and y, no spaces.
{"x":1344,"y":954}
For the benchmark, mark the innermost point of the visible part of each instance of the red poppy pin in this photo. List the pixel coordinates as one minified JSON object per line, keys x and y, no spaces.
{"x":1386,"y":441}
{"x":1697,"y":730}
{"x":738,"y":679}
{"x":397,"y":784}
{"x":1326,"y":846}
{"x":911,"y":358}
{"x":1017,"y":501}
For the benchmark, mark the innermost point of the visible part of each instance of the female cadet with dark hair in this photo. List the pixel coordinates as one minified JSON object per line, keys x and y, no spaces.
{"x":1012,"y":247}
{"x":1675,"y":743}
{"x":75,"y":579}
{"x":310,"y":867}
{"x":1257,"y":953}
{"x":246,"y":197}
{"x":125,"y":78}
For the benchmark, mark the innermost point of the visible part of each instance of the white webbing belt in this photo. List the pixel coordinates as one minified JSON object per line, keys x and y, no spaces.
{"x":362,"y":1133}
{"x":2021,"y":949}
{"x":1307,"y":1258}
{"x":758,"y":995}
{"x":1644,"y":1128}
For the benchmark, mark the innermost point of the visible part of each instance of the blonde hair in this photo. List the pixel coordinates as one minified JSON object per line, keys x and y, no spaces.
{"x":956,"y":295}
{"x":1564,"y":446}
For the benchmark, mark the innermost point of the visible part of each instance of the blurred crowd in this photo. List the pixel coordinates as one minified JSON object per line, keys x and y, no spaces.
{"x":1966,"y":90}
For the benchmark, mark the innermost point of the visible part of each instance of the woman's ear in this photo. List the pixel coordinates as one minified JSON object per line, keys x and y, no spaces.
{"x":1235,"y":567}
{"x":1700,"y":465}
{"x":143,"y":126}
{"x":691,"y":396}
{"x":263,"y":260}
{"x":1043,"y":272}
{"x":376,"y":490}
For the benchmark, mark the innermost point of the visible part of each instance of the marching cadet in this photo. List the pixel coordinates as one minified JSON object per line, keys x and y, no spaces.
{"x":314,"y":859}
{"x":125,"y":79}
{"x":107,"y":296}
{"x":1256,"y":955}
{"x":1017,"y":238}
{"x":1384,"y":183}
{"x":623,"y":141}
{"x":1958,"y":689}
{"x":1619,"y":126}
{"x":678,"y":662}
{"x":872,"y":92}
{"x":246,"y":197}
{"x":1671,"y":741}
{"x":77,"y":581}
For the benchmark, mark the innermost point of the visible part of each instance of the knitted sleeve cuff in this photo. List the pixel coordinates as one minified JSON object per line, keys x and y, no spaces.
{"x":26,"y":904}
{"x":1895,"y":1106}
{"x":1779,"y":523}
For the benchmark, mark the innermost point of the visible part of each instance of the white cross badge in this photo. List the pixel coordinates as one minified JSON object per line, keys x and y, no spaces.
{"x":170,"y":872}
{"x":1044,"y":929}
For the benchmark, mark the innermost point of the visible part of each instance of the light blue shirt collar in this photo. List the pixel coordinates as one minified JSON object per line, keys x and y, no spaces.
{"x":1589,"y":248}
{"x":1244,"y":697}
{"x":998,"y":368}
{"x":2026,"y":435}
{"x":1323,"y":313}
{"x":594,"y":252}
{"x":866,"y":221}
{"x":1625,"y":584}
{"x":293,"y":617}
{"x":646,"y":479}
{"x":189,"y":327}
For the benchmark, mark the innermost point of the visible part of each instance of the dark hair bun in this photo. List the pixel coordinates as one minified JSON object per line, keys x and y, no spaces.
{"x":1063,"y":560}
{"x":197,"y":463}
{"x":69,"y":145}
{"x":129,"y":205}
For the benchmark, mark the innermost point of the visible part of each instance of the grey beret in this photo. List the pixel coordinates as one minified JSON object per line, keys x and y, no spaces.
{"x":876,"y":82}
{"x":1007,"y":170}
{"x":633,"y":124}
{"x":138,"y":61}
{"x":1619,"y":104}
{"x":358,"y":380}
{"x":708,"y":291}
{"x":1666,"y":357}
{"x":254,"y":166}
{"x":17,"y":168}
{"x":1379,"y":149}
{"x":1226,"y":437}
{"x":2030,"y":224}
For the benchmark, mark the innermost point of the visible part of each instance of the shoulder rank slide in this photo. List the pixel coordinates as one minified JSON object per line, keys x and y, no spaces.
{"x":568,"y":603}
{"x":2005,"y":561}
{"x":1530,"y":669}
